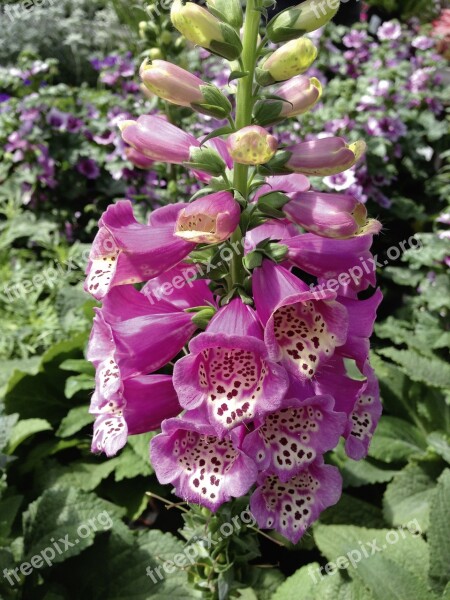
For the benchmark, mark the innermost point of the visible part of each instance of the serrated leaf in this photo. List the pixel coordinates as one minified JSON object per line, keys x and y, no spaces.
{"x":439,"y":530}
{"x":408,"y":497}
{"x":440,"y":444}
{"x":60,"y":512}
{"x":24,"y":429}
{"x":433,"y":372}
{"x":396,"y":440}
{"x":84,"y":476}
{"x":395,"y":569}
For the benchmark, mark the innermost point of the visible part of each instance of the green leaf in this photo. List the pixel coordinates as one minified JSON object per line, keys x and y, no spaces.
{"x":9,"y":508}
{"x":362,"y":472}
{"x":439,"y":531}
{"x":76,"y":419}
{"x":22,"y":430}
{"x":396,"y":440}
{"x":85,"y":476}
{"x":433,"y":372}
{"x":395,"y":568}
{"x":59,"y":513}
{"x":353,"y":511}
{"x":78,"y":383}
{"x":237,"y":75}
{"x":78,"y":366}
{"x":440,"y":444}
{"x":408,"y":497}
{"x":134,"y":459}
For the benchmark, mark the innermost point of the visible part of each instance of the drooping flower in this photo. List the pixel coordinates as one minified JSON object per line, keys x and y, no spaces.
{"x":330,"y":215}
{"x":326,"y":156}
{"x":138,"y":159}
{"x":172,"y":83}
{"x":301,"y":331}
{"x":202,"y":467}
{"x":291,"y":507}
{"x":229,"y":372}
{"x":158,"y":139}
{"x":209,"y":220}
{"x":124,"y":251}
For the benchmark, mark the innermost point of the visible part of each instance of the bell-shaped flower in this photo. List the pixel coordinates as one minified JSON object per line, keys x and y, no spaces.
{"x":202,"y":28}
{"x":298,"y":20}
{"x":301,"y":332}
{"x":295,"y":97}
{"x":138,"y":159}
{"x":252,"y":145}
{"x":209,"y":220}
{"x":288,"y":184}
{"x":124,"y":251}
{"x":203,"y":468}
{"x":330,"y":215}
{"x":364,"y":417}
{"x":171,"y":83}
{"x":291,"y":507}
{"x":287,"y":441}
{"x":325,"y":156}
{"x":291,"y":59}
{"x":159,"y":140}
{"x":229,"y":372}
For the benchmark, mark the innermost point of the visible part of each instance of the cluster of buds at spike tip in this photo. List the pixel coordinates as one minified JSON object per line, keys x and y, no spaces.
{"x":175,"y":85}
{"x":209,"y":220}
{"x":295,"y":97}
{"x":338,"y":216}
{"x":321,"y":158}
{"x":303,"y":18}
{"x":291,"y":59}
{"x":201,"y":27}
{"x":252,"y":145}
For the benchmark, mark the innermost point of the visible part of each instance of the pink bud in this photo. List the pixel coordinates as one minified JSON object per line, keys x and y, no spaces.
{"x":158,"y":139}
{"x":301,"y":94}
{"x":209,"y":220}
{"x":326,"y":156}
{"x":252,"y":145}
{"x":171,"y":83}
{"x":337,"y":216}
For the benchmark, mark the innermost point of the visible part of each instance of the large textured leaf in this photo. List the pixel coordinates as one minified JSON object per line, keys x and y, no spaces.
{"x":396,"y":440}
{"x":353,"y":511}
{"x":75,"y":420}
{"x":22,"y":430}
{"x":439,"y":531}
{"x":433,"y":372}
{"x":60,"y":512}
{"x":397,"y":571}
{"x":408,"y":497}
{"x":83,"y":475}
{"x":134,"y":459}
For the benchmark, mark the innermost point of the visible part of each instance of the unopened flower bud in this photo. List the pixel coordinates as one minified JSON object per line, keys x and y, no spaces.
{"x":199,"y":26}
{"x":252,"y":145}
{"x":303,"y":18}
{"x":209,"y":220}
{"x":336,"y":216}
{"x":293,"y":58}
{"x":297,"y":96}
{"x":323,"y":157}
{"x":171,"y":83}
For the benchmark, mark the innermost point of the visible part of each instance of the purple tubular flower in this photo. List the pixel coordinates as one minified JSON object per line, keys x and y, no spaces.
{"x":138,"y":159}
{"x":203,"y":468}
{"x":330,"y":215}
{"x":209,"y":220}
{"x":291,"y":507}
{"x":326,"y":156}
{"x":364,"y":417}
{"x":229,"y":371}
{"x":289,"y":440}
{"x":158,"y":139}
{"x":300,"y":93}
{"x":124,"y":251}
{"x":301,"y":332}
{"x":349,"y":261}
{"x":289,"y":184}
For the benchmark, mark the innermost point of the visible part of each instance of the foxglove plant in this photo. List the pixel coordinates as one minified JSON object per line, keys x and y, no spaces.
{"x":263,"y":390}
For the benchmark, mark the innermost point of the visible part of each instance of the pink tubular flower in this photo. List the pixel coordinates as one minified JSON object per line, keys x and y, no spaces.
{"x":289,"y":440}
{"x":124,"y":251}
{"x":138,"y":159}
{"x":172,"y":83}
{"x":202,"y":467}
{"x":289,"y":184}
{"x":322,"y":157}
{"x":252,"y":145}
{"x":291,"y":507}
{"x":229,"y":372}
{"x":158,"y":139}
{"x":209,"y":220}
{"x":301,"y":332}
{"x":330,"y":215}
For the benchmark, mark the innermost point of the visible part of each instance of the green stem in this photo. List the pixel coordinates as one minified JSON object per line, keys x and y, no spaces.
{"x":244,"y":110}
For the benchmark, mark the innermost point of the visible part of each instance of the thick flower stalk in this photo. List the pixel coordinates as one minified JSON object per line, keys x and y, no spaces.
{"x":242,"y":364}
